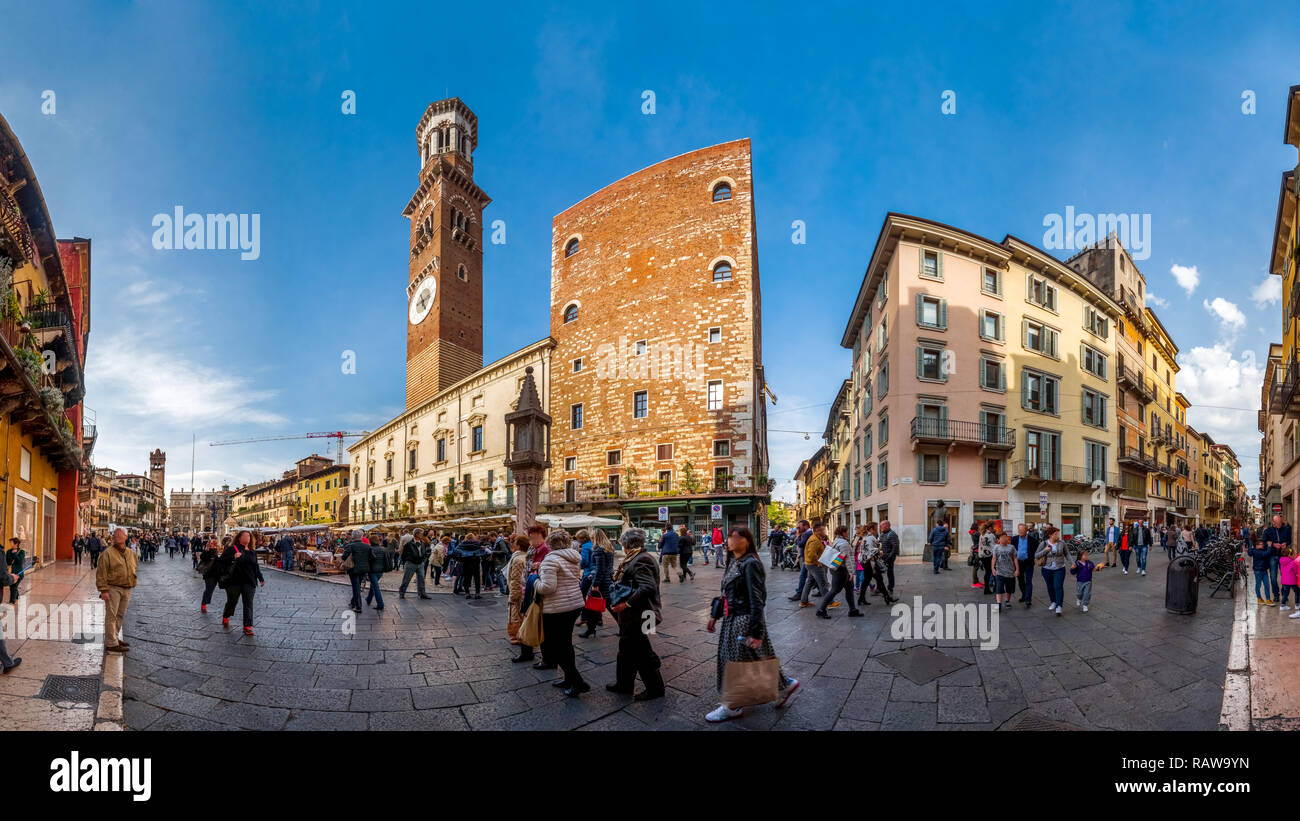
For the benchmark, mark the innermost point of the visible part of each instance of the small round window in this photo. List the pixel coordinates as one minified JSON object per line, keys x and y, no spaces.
{"x":722,"y":271}
{"x":722,"y":192}
{"x":571,"y":248}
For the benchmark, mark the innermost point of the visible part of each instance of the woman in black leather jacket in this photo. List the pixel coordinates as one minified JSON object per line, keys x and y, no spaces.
{"x":743,"y":636}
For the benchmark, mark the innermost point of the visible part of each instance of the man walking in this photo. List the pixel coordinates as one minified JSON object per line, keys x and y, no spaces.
{"x":1277,"y":536}
{"x":668,"y":550}
{"x":775,"y":544}
{"x":285,"y":546}
{"x":802,"y":534}
{"x":7,"y":664}
{"x":114,"y":579}
{"x":15,"y":559}
{"x":94,"y":547}
{"x":1026,"y":545}
{"x":889,"y":550}
{"x":812,"y":552}
{"x":1140,"y":540}
{"x":412,"y":565}
{"x":1111,"y":556}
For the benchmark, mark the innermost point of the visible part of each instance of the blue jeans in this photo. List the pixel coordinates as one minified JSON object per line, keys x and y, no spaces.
{"x":288,"y":560}
{"x":1273,"y":564}
{"x":1261,"y":580}
{"x":938,"y":552}
{"x":375,"y":593}
{"x":1026,"y":579}
{"x":803,"y":577}
{"x":1291,"y":588}
{"x":1055,"y":580}
{"x":355,"y":578}
{"x":1141,"y":551}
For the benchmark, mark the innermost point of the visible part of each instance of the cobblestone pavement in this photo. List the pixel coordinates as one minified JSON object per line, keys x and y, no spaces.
{"x":443,"y":664}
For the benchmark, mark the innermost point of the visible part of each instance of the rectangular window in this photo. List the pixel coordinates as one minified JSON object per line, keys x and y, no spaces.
{"x":930,"y":364}
{"x":570,"y":463}
{"x":721,"y":479}
{"x":721,"y":448}
{"x":664,"y":453}
{"x":388,"y":468}
{"x":1094,"y":461}
{"x":714,"y":401}
{"x":1094,"y":409}
{"x":1039,"y":392}
{"x":476,"y":438}
{"x":995,"y":472}
{"x":866,"y":442}
{"x":613,"y":481}
{"x":882,"y":474}
{"x":857,"y":485}
{"x":882,"y":293}
{"x":932,"y":312}
{"x":994,"y":426}
{"x":577,"y":365}
{"x":882,"y":430}
{"x":665,"y":481}
{"x":882,"y":379}
{"x":467,"y":481}
{"x":991,"y":282}
{"x":1040,"y":292}
{"x":1094,"y":362}
{"x":715,"y":335}
{"x":410,"y":459}
{"x":1096,"y":322}
{"x":441,"y":447}
{"x":641,"y":347}
{"x":931,"y":265}
{"x":991,"y":326}
{"x":614,"y":457}
{"x":570,"y":490}
{"x":575,"y":416}
{"x":1039,"y":337}
{"x":640,"y":404}
{"x":882,"y":334}
{"x":1042,"y":454}
{"x":993,"y":374}
{"x":931,"y":468}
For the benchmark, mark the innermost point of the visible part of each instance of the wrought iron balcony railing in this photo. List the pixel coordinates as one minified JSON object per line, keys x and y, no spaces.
{"x":1062,"y":474}
{"x":973,"y":433}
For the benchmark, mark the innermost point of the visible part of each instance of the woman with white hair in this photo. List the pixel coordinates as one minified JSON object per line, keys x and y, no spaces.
{"x":636,"y":656}
{"x":558,"y":592}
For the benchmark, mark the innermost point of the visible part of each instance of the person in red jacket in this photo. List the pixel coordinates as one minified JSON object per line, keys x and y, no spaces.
{"x":717,"y":543}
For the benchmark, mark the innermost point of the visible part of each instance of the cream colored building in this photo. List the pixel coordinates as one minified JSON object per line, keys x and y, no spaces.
{"x":446,"y":455}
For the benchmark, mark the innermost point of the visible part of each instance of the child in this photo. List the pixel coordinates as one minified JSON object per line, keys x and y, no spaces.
{"x":1082,"y":571}
{"x":1005,"y":569}
{"x":1260,"y":556}
{"x":1288,"y":576}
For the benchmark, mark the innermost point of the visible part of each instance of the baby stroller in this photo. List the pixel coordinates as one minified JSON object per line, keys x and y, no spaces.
{"x":790,"y":558}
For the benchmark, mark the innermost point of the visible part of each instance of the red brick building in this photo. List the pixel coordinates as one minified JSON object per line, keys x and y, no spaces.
{"x":657,"y":386}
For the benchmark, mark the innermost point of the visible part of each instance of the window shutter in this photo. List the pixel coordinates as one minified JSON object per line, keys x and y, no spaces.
{"x":943,"y":467}
{"x":1024,"y":334}
{"x":920,"y":261}
{"x":1024,"y":389}
{"x":938,"y":263}
{"x":920,"y":310}
{"x":943,"y":420}
{"x":943,"y":314}
{"x":1002,"y":329}
{"x":920,"y":467}
{"x":1083,"y":356}
{"x":1029,"y":286}
{"x":1002,"y":376}
{"x":1051,"y":342}
{"x":1002,"y":471}
{"x":919,"y":354}
{"x":920,"y":415}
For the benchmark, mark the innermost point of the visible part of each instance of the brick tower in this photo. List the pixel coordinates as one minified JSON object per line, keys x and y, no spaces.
{"x":444,"y":334}
{"x":158,"y":469}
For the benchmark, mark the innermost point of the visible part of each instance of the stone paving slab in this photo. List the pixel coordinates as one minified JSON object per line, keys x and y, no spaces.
{"x":443,"y":664}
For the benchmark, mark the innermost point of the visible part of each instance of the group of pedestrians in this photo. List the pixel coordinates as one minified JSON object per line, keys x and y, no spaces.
{"x":1273,"y":561}
{"x":232,"y":565}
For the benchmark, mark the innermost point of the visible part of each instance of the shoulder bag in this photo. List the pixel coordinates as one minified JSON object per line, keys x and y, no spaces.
{"x":530,"y":630}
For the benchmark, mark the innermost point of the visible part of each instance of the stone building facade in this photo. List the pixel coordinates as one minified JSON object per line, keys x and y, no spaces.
{"x":658,"y":392}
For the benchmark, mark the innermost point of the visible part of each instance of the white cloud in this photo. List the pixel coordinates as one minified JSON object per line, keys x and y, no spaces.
{"x":1188,"y":278}
{"x":1157,"y":301}
{"x":1267,"y":292}
{"x":1224,"y":391}
{"x":1230,"y":316}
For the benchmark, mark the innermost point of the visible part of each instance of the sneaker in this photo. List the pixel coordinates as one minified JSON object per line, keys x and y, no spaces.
{"x":1270,"y":602}
{"x":1085,"y":608}
{"x":203,"y":608}
{"x":976,"y":584}
{"x":835,"y":604}
{"x":1058,"y":610}
{"x":723,"y":713}
{"x":792,"y":598}
{"x":806,"y":604}
{"x":17,"y":661}
{"x":248,"y":631}
{"x":1126,"y":571}
{"x":1295,"y":615}
{"x":1078,"y":602}
{"x":225,"y":622}
{"x":789,"y":691}
{"x":857,"y":613}
{"x":1144,"y":572}
{"x":1051,"y":606}
{"x":1285,"y":607}
{"x":1258,"y":600}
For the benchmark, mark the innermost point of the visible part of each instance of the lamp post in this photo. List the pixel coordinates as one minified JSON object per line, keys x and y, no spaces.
{"x":528,"y":449}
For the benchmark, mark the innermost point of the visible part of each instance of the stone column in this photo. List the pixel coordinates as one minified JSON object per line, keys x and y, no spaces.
{"x":527,"y":487}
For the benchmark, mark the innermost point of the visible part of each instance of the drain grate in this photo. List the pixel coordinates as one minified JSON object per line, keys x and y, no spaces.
{"x":83,"y":689}
{"x":1033,"y":722}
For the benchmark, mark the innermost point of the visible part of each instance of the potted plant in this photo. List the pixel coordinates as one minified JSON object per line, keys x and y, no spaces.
{"x":689,"y":482}
{"x":31,"y":362}
{"x":40,"y":300}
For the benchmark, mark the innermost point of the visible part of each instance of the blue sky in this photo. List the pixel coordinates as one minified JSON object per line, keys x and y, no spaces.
{"x":1106,"y":107}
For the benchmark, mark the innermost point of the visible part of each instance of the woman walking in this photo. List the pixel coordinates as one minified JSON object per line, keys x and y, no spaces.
{"x":685,"y":551}
{"x":245,"y":574}
{"x":636,"y":656}
{"x":1055,"y":559}
{"x":601,"y":580}
{"x":515,"y":572}
{"x":558,"y":592}
{"x":873,"y":566}
{"x":210,"y":571}
{"x":743,"y":636}
{"x":987,"y":541}
{"x":1186,"y":539}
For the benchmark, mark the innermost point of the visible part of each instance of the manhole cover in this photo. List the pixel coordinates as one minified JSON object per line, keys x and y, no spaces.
{"x":482,"y":602}
{"x":922,"y":664}
{"x":1033,"y":722}
{"x":84,"y":689}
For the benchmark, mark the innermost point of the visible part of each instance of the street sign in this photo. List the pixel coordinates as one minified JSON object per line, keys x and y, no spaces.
{"x":663,"y":514}
{"x":717,"y":512}
{"x":1042,"y":503}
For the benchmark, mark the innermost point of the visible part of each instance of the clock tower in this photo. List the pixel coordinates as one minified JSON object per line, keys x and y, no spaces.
{"x":444,"y":332}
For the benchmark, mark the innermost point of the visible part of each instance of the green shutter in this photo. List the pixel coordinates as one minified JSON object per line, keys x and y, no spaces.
{"x":938,"y":263}
{"x":919,"y":354}
{"x":943,"y":314}
{"x":1024,"y":389}
{"x":1002,"y":471}
{"x":919,"y":312}
{"x":943,"y":420}
{"x":1002,"y":376}
{"x":943,"y":467}
{"x":920,"y":467}
{"x":1024,"y":334}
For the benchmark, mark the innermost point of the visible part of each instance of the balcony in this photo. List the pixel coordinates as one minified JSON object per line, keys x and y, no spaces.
{"x":1130,"y":379}
{"x":1136,"y":459}
{"x":1066,"y":475}
{"x":1284,"y":391}
{"x":951,"y":433}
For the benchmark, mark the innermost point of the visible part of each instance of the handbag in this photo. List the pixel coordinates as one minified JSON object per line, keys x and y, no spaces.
{"x":746,"y":683}
{"x":595,"y":603}
{"x":620,"y":593}
{"x":347,"y":564}
{"x":530,"y":630}
{"x":718,"y":608}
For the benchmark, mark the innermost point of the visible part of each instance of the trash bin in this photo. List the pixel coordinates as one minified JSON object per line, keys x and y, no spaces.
{"x":1181,"y":586}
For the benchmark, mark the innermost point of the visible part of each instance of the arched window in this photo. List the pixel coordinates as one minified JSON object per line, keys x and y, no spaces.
{"x":722,"y":271}
{"x":722,"y":192}
{"x":571,"y":248}
{"x":462,"y":273}
{"x":571,"y":312}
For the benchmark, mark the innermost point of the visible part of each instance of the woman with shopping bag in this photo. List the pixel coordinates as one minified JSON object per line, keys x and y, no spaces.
{"x":748,"y":669}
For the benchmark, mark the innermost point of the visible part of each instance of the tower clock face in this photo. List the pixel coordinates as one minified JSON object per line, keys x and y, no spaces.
{"x":422,"y":300}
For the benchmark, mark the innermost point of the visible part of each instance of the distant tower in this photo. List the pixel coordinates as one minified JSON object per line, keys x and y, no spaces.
{"x":158,"y":469}
{"x":444,"y":334}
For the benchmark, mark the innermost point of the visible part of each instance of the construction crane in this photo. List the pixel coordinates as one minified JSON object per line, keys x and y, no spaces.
{"x":337,"y":435}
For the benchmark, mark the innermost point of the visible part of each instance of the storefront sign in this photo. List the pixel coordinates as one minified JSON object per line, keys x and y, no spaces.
{"x":1042,"y":504}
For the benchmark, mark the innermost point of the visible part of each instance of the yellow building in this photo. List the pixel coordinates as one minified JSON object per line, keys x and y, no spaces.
{"x":1284,"y":261}
{"x":1165,"y":446}
{"x":1186,"y":497}
{"x":321,"y":493}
